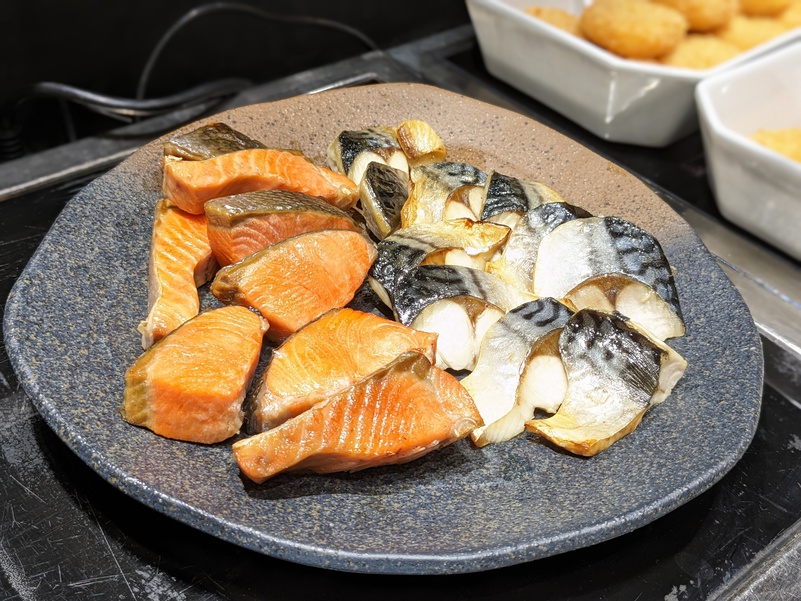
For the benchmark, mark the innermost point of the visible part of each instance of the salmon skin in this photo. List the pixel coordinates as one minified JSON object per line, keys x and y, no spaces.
{"x":297,"y":280}
{"x":399,"y":413}
{"x":243,"y":224}
{"x":207,"y":141}
{"x":328,"y":355}
{"x":191,"y":385}
{"x":189,"y":184}
{"x":180,"y":260}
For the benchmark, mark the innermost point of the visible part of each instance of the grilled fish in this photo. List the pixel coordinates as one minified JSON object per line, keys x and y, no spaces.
{"x":383,"y":191}
{"x":581,"y":259}
{"x":458,"y":241}
{"x":516,"y":261}
{"x":442,"y":191}
{"x":457,"y":303}
{"x":352,"y":151}
{"x":243,"y":224}
{"x":295,"y":281}
{"x":506,"y":198}
{"x":615,"y":372}
{"x":181,"y":260}
{"x":420,"y":143}
{"x":396,"y":414}
{"x":518,"y":369}
{"x":208,"y":141}
{"x":189,"y":184}
{"x":191,"y":384}
{"x":327,"y":356}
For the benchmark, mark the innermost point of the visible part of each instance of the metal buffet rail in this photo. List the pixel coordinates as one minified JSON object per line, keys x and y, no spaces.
{"x":65,"y":533}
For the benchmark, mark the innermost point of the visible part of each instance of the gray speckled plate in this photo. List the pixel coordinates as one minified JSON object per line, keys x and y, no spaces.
{"x":70,"y":329}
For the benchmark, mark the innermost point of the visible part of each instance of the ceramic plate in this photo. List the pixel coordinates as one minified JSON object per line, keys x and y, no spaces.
{"x":70,"y":329}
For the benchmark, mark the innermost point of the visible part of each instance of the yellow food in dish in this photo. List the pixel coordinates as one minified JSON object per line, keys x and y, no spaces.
{"x":704,"y":15}
{"x":701,"y":51}
{"x":693,"y":34}
{"x":746,"y":32}
{"x":556,"y":17}
{"x":786,"y":141}
{"x":633,"y":29}
{"x":763,"y":8}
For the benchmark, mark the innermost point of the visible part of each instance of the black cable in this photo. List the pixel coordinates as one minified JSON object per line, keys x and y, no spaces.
{"x":114,"y":106}
{"x":245,"y":8}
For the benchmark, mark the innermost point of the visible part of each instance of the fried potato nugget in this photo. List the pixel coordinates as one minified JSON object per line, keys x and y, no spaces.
{"x":763,"y":8}
{"x":705,"y":15}
{"x":786,"y":141}
{"x":557,"y":17}
{"x":701,"y":51}
{"x":633,"y":28}
{"x":746,"y":32}
{"x":792,"y":15}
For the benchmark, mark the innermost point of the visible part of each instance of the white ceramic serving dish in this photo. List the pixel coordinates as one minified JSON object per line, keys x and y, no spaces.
{"x":617,"y":99}
{"x":756,"y":188}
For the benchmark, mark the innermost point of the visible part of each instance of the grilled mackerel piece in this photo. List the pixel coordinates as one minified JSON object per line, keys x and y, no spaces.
{"x":460,"y":241}
{"x":444,"y":190}
{"x":507,"y":197}
{"x":352,"y":151}
{"x":458,"y":304}
{"x":519,"y":256}
{"x":615,"y":372}
{"x":608,"y":263}
{"x":382,"y":193}
{"x":518,"y":369}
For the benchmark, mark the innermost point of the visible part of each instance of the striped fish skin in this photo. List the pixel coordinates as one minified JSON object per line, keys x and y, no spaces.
{"x":430,"y":283}
{"x":505,"y":350}
{"x":504,"y":193}
{"x":432,"y":184}
{"x":407,"y":248}
{"x":209,"y":141}
{"x":615,"y":373}
{"x":585,"y":248}
{"x":601,"y":346}
{"x":382,"y":192}
{"x":349,"y":144}
{"x":519,"y":256}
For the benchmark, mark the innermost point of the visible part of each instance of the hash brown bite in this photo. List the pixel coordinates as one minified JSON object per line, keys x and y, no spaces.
{"x":701,"y":51}
{"x":633,"y":28}
{"x":706,"y":15}
{"x":557,"y":17}
{"x":763,"y":8}
{"x":746,"y":32}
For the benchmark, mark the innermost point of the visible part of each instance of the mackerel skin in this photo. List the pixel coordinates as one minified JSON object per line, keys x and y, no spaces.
{"x":504,"y":193}
{"x":430,"y":283}
{"x":594,"y":246}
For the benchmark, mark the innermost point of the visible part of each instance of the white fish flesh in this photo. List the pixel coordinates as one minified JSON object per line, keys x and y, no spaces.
{"x":516,"y":262}
{"x":518,"y":369}
{"x":457,"y":303}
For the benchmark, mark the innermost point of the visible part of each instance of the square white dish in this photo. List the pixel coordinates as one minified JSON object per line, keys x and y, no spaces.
{"x":617,"y":99}
{"x":755,"y":187}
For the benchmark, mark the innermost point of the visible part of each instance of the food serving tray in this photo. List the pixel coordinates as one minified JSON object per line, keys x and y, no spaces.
{"x":70,"y":329}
